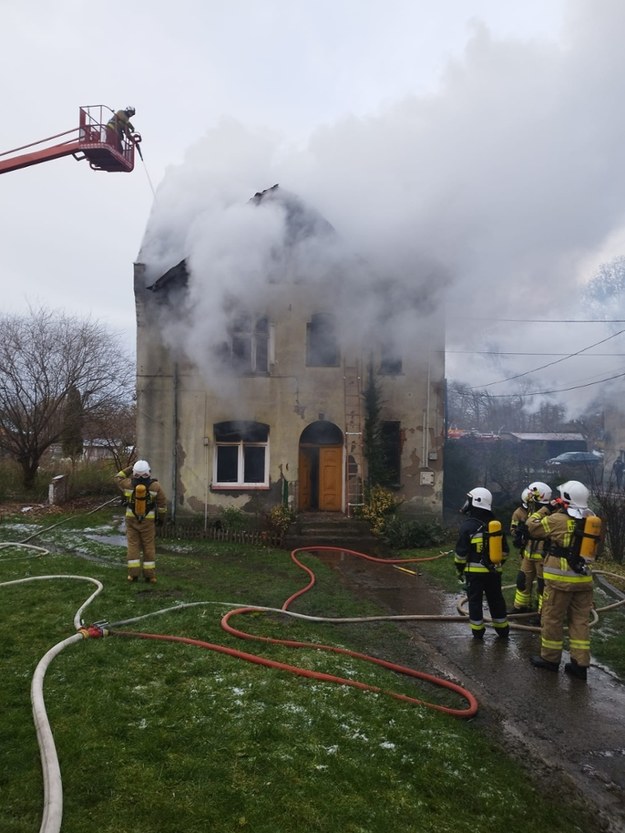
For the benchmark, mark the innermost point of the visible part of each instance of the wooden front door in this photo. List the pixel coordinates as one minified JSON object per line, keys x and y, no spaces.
{"x":330,"y":478}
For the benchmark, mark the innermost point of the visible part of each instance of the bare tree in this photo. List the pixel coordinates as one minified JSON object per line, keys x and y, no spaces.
{"x":116,"y":429}
{"x":44,"y":356}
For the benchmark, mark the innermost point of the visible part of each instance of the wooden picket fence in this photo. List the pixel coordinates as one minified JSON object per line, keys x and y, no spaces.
{"x":193,"y":532}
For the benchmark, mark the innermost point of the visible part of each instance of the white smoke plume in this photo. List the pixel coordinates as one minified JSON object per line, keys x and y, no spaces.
{"x":498,"y":192}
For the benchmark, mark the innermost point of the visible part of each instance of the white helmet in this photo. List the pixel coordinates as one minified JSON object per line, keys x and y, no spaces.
{"x":141,"y":468}
{"x":525,"y":497}
{"x":539,"y":492}
{"x":480,"y":498}
{"x":576,"y":495}
{"x":130,"y":111}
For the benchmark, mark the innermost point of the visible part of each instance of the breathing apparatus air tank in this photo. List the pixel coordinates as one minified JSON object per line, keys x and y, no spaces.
{"x":140,"y":501}
{"x":495,"y":542}
{"x":590,"y":537}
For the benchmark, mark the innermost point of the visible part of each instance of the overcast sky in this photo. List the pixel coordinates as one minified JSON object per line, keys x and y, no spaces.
{"x":489,"y":133}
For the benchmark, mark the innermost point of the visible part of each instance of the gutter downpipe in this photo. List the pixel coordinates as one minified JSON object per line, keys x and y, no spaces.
{"x":427,"y":411}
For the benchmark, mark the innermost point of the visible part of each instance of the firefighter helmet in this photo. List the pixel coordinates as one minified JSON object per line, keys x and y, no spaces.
{"x":141,"y":468}
{"x":576,"y":496}
{"x":524,"y":497}
{"x":130,"y":111}
{"x":540,"y":492}
{"x":480,"y":498}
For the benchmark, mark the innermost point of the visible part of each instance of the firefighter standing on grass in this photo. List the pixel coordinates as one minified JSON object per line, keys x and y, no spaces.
{"x":568,"y":593}
{"x":531,"y":567}
{"x":475,"y":560}
{"x":146,"y":506}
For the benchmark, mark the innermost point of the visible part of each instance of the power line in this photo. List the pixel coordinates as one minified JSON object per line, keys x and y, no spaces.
{"x":510,"y":353}
{"x":549,"y":364}
{"x":558,"y":390}
{"x":542,"y":320}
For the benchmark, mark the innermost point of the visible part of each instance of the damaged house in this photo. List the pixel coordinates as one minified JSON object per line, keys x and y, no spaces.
{"x":294,"y":385}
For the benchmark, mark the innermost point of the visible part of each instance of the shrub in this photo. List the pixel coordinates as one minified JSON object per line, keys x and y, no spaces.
{"x":234,"y":519}
{"x":379,"y":504}
{"x":402,"y":533}
{"x":278,"y":519}
{"x":11,"y":486}
{"x":610,"y":507}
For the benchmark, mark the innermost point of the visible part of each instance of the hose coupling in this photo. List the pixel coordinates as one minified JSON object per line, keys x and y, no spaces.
{"x":95,"y":631}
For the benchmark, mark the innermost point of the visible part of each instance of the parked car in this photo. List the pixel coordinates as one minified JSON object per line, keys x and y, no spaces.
{"x":576,"y":458}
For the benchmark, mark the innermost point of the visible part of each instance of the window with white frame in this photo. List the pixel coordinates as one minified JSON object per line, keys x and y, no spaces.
{"x":241,"y":459}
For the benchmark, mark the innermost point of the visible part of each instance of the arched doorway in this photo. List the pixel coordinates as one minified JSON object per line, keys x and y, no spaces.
{"x":320,"y":479}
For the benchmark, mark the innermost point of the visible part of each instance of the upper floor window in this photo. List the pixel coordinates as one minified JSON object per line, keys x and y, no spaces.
{"x":322,"y":348}
{"x":390,"y":361}
{"x":241,"y":458}
{"x":249,"y":347}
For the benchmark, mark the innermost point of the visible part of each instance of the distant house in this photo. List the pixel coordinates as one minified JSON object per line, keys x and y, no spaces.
{"x":283,"y":419}
{"x":545,"y":445}
{"x":92,"y":450}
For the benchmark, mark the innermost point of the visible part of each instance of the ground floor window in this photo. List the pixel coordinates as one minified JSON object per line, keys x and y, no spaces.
{"x":241,"y":459}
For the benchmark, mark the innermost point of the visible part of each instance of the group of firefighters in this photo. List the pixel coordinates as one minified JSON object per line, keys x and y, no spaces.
{"x":557,"y":539}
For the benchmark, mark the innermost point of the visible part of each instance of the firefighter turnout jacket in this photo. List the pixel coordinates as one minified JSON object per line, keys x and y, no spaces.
{"x":471,"y":552}
{"x":563,"y":566}
{"x":568,"y":591}
{"x":482,"y":574}
{"x":146,"y":505}
{"x":150,"y":507}
{"x":121,"y":124}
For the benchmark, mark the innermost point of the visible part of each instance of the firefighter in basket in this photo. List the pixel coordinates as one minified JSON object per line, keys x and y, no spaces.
{"x":571,"y":532}
{"x":119,"y":127}
{"x":480,"y":551}
{"x":146,"y":506}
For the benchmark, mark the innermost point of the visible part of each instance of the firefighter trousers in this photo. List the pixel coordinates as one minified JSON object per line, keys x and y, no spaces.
{"x":570,"y":607}
{"x":532,"y":569}
{"x":141,"y":555}
{"x":480,"y":584}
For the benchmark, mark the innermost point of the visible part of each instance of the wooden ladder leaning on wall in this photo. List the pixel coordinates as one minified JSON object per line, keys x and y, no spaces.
{"x":354,"y":452}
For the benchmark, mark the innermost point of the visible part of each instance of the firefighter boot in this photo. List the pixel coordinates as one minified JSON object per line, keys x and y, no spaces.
{"x":574,"y":670}
{"x":539,"y":662}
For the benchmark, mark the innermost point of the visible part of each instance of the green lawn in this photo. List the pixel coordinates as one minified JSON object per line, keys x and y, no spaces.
{"x":159,"y":737}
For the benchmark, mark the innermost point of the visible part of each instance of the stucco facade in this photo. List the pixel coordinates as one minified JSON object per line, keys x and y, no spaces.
{"x":286,"y":422}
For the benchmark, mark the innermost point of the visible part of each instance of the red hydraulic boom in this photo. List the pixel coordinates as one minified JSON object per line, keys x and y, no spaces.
{"x":92,"y":140}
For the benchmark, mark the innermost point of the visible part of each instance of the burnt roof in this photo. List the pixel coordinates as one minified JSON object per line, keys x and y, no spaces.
{"x":302,"y":222}
{"x":177,"y":276}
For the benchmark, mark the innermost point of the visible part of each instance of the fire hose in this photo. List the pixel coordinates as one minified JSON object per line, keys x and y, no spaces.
{"x":53,"y":793}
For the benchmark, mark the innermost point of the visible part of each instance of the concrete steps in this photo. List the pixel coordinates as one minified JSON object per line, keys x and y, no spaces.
{"x":332,"y":529}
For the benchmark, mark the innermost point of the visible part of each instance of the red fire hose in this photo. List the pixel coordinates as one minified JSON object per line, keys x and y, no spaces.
{"x":469,"y":711}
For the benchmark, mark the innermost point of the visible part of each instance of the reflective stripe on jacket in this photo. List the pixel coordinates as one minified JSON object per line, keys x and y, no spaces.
{"x":156,"y":503}
{"x":559,"y":528}
{"x":470,"y":552}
